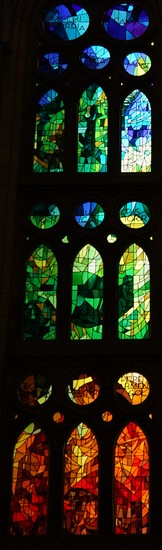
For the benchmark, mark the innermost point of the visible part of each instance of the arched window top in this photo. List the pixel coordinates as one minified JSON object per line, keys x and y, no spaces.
{"x":136,"y":133}
{"x":30,"y":483}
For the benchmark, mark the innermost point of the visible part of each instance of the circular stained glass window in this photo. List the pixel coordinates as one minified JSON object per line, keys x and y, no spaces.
{"x":95,"y":57}
{"x":111,"y":238}
{"x":83,"y":390}
{"x":89,"y":215}
{"x":133,"y":387}
{"x":137,"y":63}
{"x":44,"y":215}
{"x":134,"y":214}
{"x":67,"y":22}
{"x":126,"y":21}
{"x":34,"y":390}
{"x":52,"y":62}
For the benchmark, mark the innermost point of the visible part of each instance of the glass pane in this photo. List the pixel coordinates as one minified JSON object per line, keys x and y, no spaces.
{"x":89,"y":215}
{"x":81,"y":482}
{"x":131,"y":475}
{"x":137,"y":63}
{"x":134,"y":214}
{"x":133,"y":387}
{"x":126,"y":21}
{"x":87,"y":295}
{"x":95,"y":57}
{"x":44,"y":216}
{"x":83,"y":390}
{"x":134,"y":294}
{"x":67,"y":22}
{"x":53,"y":62}
{"x":93,"y":130}
{"x":136,"y":133}
{"x":29,"y":483}
{"x":40,"y":295}
{"x":34,"y":390}
{"x":49,"y":134}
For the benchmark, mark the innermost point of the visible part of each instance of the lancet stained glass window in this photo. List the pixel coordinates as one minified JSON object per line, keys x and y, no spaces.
{"x":30,"y":483}
{"x":87,"y":295}
{"x":40,"y":295}
{"x":131,"y":480}
{"x":93,"y":130}
{"x":136,"y":133}
{"x":134,"y":294}
{"x":81,"y":482}
{"x":49,"y":134}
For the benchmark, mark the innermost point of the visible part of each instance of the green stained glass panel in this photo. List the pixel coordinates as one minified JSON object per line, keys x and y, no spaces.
{"x":93,"y":130}
{"x":134,"y":214}
{"x":136,"y":133}
{"x":40,"y":295}
{"x":44,"y":216}
{"x":134,"y":294}
{"x":49,"y":134}
{"x":87,"y":295}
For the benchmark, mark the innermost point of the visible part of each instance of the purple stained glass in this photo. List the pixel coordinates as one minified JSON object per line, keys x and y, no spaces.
{"x":67,"y":22}
{"x":126,"y":21}
{"x":95,"y":57}
{"x":52,"y":62}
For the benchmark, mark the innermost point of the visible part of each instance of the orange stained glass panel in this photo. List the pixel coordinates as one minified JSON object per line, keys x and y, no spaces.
{"x":131,"y":476}
{"x":81,"y":482}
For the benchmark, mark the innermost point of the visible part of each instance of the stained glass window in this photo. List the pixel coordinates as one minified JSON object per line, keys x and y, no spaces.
{"x":67,"y":22}
{"x":136,"y":133}
{"x":83,"y":389}
{"x":126,"y":21}
{"x":34,"y":390}
{"x":89,"y":215}
{"x":134,"y":214}
{"x":137,"y":63}
{"x":81,"y":482}
{"x":53,"y":62}
{"x":40,"y":295}
{"x":131,"y":480}
{"x":133,"y":387}
{"x":93,"y":130}
{"x":30,"y":483}
{"x":87,"y":295}
{"x":134,"y":294}
{"x":95,"y":57}
{"x":49,"y":134}
{"x":44,"y":215}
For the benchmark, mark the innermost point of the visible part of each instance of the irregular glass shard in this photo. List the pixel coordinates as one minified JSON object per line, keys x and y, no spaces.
{"x":134,"y":214}
{"x":95,"y":57}
{"x":34,"y":390}
{"x":136,"y":133}
{"x":41,"y":295}
{"x":133,"y":387}
{"x":89,"y":214}
{"x":134,"y":294}
{"x":137,"y":63}
{"x":131,"y":482}
{"x":81,"y":482}
{"x":49,"y":134}
{"x":87,"y":295}
{"x":53,"y":62}
{"x":44,"y":215}
{"x":83,"y":390}
{"x":126,"y":21}
{"x":30,"y":483}
{"x":67,"y":22}
{"x":93,"y":130}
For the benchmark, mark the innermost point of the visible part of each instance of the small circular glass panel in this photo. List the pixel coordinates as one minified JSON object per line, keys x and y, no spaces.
{"x":89,"y":215}
{"x":67,"y":22}
{"x":137,"y":63}
{"x":58,"y":417}
{"x":83,"y":390}
{"x":34,"y":390}
{"x":52,"y":62}
{"x":126,"y":21}
{"x":134,"y":214}
{"x":95,"y":57}
{"x":111,"y":238}
{"x":107,"y":416}
{"x":133,"y":387}
{"x":44,"y":215}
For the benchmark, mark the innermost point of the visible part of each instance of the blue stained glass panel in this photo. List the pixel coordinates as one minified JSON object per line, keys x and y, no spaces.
{"x":137,"y":63}
{"x":52,"y":62}
{"x":136,"y":133}
{"x":126,"y":21}
{"x":67,"y":22}
{"x":95,"y":57}
{"x":89,"y":215}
